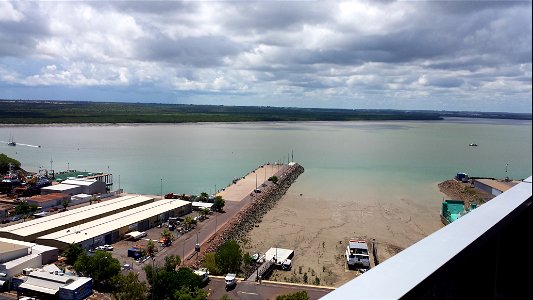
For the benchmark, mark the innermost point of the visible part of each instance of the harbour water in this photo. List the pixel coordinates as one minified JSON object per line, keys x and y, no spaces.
{"x":402,"y":158}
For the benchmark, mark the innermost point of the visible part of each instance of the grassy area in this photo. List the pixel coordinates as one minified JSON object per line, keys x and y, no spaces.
{"x":47,"y":112}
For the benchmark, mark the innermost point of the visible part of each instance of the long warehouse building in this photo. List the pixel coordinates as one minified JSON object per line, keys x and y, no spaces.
{"x":113,"y":228}
{"x":29,"y":231}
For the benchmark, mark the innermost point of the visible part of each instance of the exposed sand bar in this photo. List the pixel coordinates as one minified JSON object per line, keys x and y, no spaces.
{"x":318,"y":229}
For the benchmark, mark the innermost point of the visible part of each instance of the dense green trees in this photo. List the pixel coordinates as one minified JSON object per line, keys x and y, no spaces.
{"x":219,"y":203}
{"x":5,"y":161}
{"x":229,"y":257}
{"x":129,"y":287}
{"x":166,"y":283}
{"x":72,"y":253}
{"x":100,"y":266}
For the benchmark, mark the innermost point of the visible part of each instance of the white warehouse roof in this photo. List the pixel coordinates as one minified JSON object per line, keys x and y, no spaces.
{"x":60,"y":187}
{"x":107,"y":224}
{"x":86,"y":182}
{"x":60,"y":220}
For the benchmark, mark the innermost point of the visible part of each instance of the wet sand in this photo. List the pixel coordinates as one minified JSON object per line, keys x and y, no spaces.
{"x":318,"y":230}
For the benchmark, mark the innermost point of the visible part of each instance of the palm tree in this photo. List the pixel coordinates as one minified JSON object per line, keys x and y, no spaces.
{"x":188,"y":221}
{"x":204,"y":196}
{"x":166,"y":234}
{"x":150,"y":248}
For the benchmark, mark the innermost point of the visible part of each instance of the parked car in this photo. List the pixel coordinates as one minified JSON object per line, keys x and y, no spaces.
{"x":15,"y":218}
{"x":231,"y":280}
{"x":105,"y":248}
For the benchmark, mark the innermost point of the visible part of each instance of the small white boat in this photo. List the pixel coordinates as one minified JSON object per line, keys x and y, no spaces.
{"x":357,"y":254}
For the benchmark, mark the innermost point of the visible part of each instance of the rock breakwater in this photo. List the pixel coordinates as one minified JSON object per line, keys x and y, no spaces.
{"x":252,"y":213}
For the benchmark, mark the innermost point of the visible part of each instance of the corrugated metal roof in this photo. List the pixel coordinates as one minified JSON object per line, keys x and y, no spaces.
{"x":76,"y":284}
{"x":104,"y":225}
{"x":85,"y":182}
{"x":499,"y":185}
{"x":71,"y":216}
{"x":60,"y":187}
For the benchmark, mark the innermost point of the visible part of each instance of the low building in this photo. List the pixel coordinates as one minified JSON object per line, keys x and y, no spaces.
{"x":88,"y":186}
{"x":68,"y":189}
{"x":80,"y":198}
{"x":43,"y":285}
{"x":113,"y":228}
{"x":494,"y":187}
{"x":15,"y":256}
{"x":49,"y":200}
{"x":201,"y":205}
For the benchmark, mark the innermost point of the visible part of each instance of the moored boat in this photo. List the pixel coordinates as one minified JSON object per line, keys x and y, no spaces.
{"x":357,"y":255}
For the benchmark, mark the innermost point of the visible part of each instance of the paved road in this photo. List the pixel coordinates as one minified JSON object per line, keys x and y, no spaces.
{"x":267,"y":290}
{"x":184,"y":245}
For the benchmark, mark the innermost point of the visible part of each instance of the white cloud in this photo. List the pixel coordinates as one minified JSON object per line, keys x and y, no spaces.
{"x":309,"y":54}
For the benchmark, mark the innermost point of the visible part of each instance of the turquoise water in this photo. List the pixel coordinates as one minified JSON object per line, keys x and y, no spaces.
{"x":378,"y":159}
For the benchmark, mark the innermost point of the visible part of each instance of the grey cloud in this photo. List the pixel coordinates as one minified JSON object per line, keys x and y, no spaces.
{"x":204,"y":51}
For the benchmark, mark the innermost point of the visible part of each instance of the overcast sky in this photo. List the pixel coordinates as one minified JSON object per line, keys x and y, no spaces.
{"x":443,"y":55}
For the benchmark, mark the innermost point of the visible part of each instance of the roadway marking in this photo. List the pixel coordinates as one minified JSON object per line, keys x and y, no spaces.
{"x":247,"y":293}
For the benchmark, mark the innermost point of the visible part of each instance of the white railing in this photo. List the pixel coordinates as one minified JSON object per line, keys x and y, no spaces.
{"x":400,"y":274}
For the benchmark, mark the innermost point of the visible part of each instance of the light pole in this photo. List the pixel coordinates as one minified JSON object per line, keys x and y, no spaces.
{"x":154,"y":275}
{"x":256,"y":180}
{"x":68,"y":166}
{"x":119,"y":182}
{"x":161,"y":188}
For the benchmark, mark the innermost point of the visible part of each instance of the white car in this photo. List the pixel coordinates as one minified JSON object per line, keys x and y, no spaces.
{"x":105,"y":248}
{"x":231,"y":280}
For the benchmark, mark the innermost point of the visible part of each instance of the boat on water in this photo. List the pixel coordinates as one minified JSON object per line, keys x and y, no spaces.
{"x":11,"y":142}
{"x":472,"y":145}
{"x":357,"y":256}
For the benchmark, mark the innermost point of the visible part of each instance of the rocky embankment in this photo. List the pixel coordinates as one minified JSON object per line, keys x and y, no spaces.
{"x":252,"y":214}
{"x":463,"y":191}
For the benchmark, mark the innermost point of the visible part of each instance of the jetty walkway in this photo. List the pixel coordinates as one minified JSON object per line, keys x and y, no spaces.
{"x":244,"y":208}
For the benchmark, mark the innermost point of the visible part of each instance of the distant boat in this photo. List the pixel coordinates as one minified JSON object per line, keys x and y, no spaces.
{"x":11,"y":142}
{"x":472,"y":145}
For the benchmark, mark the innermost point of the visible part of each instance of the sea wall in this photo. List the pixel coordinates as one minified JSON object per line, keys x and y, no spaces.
{"x":251,"y":214}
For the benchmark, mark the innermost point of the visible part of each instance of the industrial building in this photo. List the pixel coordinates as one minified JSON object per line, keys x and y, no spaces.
{"x":113,"y":228}
{"x":494,"y":187}
{"x":76,"y":186}
{"x":47,"y":201}
{"x":29,"y":231}
{"x":43,"y":285}
{"x":15,"y":256}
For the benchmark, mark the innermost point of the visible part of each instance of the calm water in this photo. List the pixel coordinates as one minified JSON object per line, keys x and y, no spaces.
{"x":404,"y":159}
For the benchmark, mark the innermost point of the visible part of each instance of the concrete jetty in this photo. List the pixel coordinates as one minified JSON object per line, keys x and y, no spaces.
{"x":255,"y":207}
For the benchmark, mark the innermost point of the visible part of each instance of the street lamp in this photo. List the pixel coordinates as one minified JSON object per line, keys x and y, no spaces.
{"x":154,"y":275}
{"x":161,"y":188}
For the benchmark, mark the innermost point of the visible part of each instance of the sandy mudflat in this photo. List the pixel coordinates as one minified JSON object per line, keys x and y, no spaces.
{"x":318,"y":230}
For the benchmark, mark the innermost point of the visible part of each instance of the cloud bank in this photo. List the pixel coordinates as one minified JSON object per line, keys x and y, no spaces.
{"x":444,"y":55}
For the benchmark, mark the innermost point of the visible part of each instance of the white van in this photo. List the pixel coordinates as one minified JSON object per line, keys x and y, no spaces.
{"x":204,"y":275}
